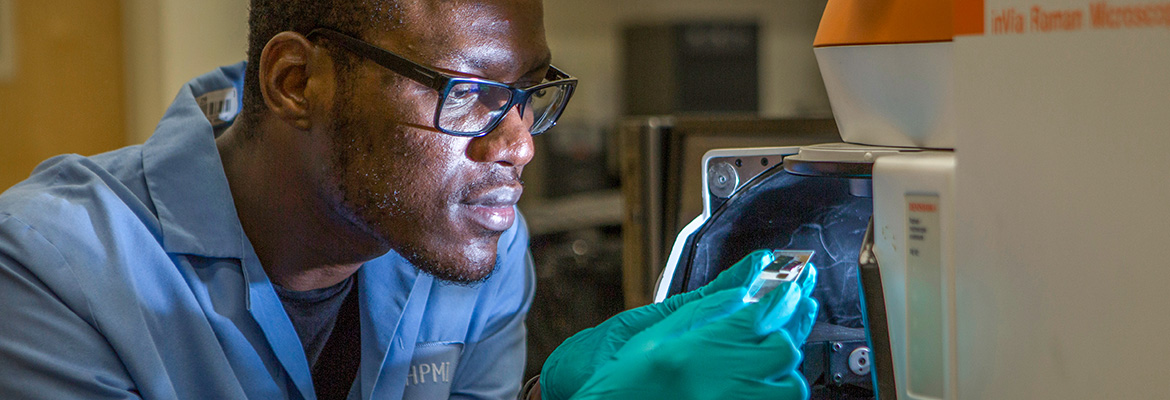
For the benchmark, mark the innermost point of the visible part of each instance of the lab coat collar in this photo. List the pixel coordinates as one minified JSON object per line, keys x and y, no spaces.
{"x":185,"y":176}
{"x":190,"y":191}
{"x":391,"y":291}
{"x":187,"y":184}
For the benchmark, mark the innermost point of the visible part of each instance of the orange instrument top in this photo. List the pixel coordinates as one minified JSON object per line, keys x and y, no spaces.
{"x":855,"y":22}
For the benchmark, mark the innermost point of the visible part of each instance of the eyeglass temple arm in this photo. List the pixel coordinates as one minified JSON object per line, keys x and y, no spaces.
{"x":555,"y":73}
{"x":407,"y":68}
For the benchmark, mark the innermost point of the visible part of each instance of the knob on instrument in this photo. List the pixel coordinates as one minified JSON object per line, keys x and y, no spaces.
{"x":722,"y":179}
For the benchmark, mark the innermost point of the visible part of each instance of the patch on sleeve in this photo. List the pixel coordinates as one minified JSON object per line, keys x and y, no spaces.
{"x":221,"y":106}
{"x":429,"y":376}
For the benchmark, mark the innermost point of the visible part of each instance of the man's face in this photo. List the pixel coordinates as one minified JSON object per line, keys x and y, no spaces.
{"x":441,"y":201}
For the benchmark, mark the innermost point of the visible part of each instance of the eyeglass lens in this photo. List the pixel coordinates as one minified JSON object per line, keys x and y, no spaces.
{"x":546,"y":105}
{"x":470,"y":108}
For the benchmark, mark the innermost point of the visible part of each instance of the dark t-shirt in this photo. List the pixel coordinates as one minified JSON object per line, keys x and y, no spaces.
{"x":313,"y":313}
{"x":328,"y":324}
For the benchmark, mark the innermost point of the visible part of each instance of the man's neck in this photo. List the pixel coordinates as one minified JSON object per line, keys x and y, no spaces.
{"x":300,"y":241}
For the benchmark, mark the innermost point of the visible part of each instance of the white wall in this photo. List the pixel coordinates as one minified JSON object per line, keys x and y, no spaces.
{"x":168,"y":42}
{"x":585,"y":37}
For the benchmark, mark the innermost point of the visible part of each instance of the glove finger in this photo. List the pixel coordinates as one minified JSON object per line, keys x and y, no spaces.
{"x":703,"y":311}
{"x":785,"y":309}
{"x":775,"y":308}
{"x":735,"y":350}
{"x":791,"y":386}
{"x":756,"y":321}
{"x":740,"y":274}
{"x":628,"y":323}
{"x":674,"y":302}
{"x":801,"y":323}
{"x":691,"y":316}
{"x":807,"y":279}
{"x":567,"y":368}
{"x":764,"y":361}
{"x":783,"y":354}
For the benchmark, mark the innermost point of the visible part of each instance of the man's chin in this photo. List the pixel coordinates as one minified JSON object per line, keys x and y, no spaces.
{"x":470,"y":261}
{"x":464,"y":276}
{"x":461,"y":269}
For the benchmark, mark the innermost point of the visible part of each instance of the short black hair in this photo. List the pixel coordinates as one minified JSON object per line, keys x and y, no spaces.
{"x":266,"y":18}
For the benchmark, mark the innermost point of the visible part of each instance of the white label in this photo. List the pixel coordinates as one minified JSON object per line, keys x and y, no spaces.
{"x":220,"y":106}
{"x":924,"y":296}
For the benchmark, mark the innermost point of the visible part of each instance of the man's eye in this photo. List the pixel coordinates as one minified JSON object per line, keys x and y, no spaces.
{"x":464,"y":92}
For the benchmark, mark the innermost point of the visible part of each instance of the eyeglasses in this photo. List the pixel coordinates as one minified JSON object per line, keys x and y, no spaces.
{"x":471,"y":107}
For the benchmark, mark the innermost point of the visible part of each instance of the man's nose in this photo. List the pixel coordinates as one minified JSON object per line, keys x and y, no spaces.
{"x":509,"y":144}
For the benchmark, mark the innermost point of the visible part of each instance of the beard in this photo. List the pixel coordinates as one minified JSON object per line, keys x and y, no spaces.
{"x":377,"y":198}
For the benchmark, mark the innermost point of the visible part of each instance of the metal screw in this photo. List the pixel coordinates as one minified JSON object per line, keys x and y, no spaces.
{"x":837,"y":346}
{"x":838,"y":378}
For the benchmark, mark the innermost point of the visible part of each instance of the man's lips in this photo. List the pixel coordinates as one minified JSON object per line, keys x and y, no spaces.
{"x":493,"y":209}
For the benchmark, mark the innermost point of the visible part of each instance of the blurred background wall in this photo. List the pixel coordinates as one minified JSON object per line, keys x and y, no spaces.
{"x":589,"y":40}
{"x":586,"y":39}
{"x":63,"y":90}
{"x":93,"y":75}
{"x":89,"y":76}
{"x":167,"y":43}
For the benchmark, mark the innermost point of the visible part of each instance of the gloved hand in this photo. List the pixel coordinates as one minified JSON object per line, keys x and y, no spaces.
{"x":717,"y":347}
{"x":575,"y":360}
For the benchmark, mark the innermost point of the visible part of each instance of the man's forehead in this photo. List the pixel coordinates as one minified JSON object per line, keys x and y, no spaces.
{"x":481,"y":35}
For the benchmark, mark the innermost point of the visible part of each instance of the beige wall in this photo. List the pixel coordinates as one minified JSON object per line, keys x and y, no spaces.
{"x":65,"y":94}
{"x":168,"y":42}
{"x":95,"y":75}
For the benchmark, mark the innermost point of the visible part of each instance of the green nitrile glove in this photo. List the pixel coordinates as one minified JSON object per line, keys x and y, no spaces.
{"x":716,"y":348}
{"x":575,"y":360}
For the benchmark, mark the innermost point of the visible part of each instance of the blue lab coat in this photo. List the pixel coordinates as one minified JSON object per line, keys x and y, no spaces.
{"x":127,"y":274}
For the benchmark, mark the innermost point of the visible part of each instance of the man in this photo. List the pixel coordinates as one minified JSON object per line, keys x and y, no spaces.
{"x":350,"y":233}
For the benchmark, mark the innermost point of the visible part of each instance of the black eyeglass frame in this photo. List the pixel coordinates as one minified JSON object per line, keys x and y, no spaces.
{"x":442,"y":82}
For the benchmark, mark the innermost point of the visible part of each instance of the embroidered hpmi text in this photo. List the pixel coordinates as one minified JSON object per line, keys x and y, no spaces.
{"x":423,"y":373}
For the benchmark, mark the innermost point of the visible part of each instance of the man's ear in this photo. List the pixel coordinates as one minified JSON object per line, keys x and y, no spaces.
{"x":284,"y":77}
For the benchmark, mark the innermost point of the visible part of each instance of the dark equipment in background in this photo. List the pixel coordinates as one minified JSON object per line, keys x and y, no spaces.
{"x":573,"y":209}
{"x":691,"y":67}
{"x":578,"y":275}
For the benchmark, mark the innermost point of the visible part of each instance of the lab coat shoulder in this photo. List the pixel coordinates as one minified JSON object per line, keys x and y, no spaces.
{"x":62,"y":233}
{"x":76,"y":219}
{"x":94,"y":306}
